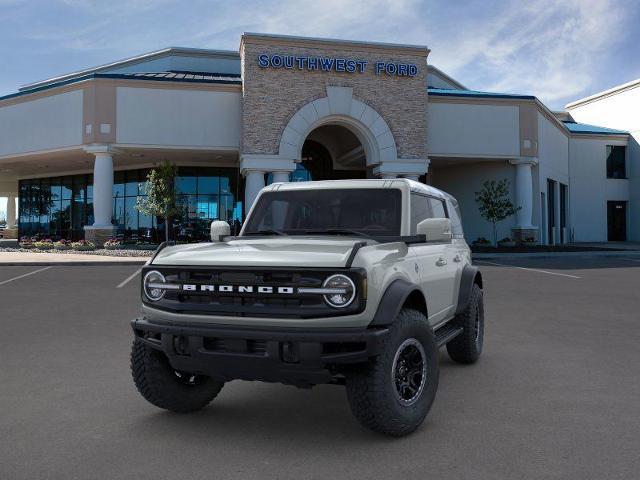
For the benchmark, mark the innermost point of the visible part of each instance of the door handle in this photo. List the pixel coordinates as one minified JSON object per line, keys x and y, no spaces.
{"x":457,"y":258}
{"x":441,"y":262}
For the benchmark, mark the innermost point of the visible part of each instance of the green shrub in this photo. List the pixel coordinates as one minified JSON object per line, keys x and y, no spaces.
{"x":62,"y":245}
{"x":43,"y":244}
{"x":83,"y":245}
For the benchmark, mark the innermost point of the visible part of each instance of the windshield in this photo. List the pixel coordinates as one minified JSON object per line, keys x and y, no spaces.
{"x":360,"y":211}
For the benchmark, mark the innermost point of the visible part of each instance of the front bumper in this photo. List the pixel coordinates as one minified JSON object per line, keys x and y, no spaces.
{"x":290,"y":356}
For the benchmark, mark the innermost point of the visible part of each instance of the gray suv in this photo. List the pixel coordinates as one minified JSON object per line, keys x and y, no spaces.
{"x":350,"y":282}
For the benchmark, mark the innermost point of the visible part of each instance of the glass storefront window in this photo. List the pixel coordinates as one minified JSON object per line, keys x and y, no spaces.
{"x":208,"y":185}
{"x":67,"y":188}
{"x":79,"y":188}
{"x":186,"y":184}
{"x":118,"y":213}
{"x":131,"y":187}
{"x":300,"y":174}
{"x":60,"y":207}
{"x":130,"y":214}
{"x":90,"y":186}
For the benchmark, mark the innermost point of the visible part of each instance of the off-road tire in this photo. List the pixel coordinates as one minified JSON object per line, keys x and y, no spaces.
{"x":371,"y":388}
{"x":165,"y":388}
{"x":467,"y":347}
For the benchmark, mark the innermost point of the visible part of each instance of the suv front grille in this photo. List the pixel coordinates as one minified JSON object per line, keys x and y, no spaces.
{"x":289,"y":304}
{"x":232,"y":345}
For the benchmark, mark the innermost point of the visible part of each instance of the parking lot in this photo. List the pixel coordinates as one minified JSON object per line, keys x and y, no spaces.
{"x":555,"y":395}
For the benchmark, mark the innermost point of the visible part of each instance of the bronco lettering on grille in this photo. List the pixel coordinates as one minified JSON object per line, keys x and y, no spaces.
{"x":191,"y":287}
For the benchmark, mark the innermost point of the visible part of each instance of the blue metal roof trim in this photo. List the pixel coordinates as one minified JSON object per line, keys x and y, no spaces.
{"x":585,"y":128}
{"x":226,"y":79}
{"x":474,"y":93}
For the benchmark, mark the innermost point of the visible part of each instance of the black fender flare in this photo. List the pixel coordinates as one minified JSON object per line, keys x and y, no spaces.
{"x":392,"y":301}
{"x":470,"y":276}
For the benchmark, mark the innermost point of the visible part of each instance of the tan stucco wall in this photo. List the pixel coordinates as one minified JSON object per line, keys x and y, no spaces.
{"x":271,"y":96}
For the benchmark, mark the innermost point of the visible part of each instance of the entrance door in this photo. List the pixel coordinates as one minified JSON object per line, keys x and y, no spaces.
{"x":551,"y":211}
{"x":319,"y":165}
{"x":617,"y":221}
{"x":332,"y":152}
{"x":563,"y":212}
{"x":543,"y":214}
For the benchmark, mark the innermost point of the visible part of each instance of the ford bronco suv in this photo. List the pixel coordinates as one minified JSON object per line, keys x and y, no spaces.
{"x":348,"y":282}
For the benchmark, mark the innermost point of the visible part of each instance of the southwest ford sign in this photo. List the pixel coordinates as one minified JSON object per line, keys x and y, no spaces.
{"x":335,"y":64}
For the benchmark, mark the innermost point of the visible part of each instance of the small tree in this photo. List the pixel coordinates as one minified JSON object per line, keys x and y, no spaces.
{"x":494,"y":203}
{"x":161,"y":199}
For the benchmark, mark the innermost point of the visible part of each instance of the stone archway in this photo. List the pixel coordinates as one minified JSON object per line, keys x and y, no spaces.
{"x":340,"y":108}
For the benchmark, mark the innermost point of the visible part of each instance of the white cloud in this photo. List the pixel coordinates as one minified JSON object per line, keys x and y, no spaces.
{"x":355,"y":19}
{"x":547,"y":48}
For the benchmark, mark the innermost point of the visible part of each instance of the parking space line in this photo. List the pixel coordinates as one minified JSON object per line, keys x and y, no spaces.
{"x":529,"y":269}
{"x":25,"y":275}
{"x":129,"y":278}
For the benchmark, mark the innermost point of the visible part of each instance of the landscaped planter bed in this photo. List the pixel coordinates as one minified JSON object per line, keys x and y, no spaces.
{"x":103,"y":252}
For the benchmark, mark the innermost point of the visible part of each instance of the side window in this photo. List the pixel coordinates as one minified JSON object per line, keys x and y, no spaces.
{"x":456,"y":219}
{"x":437,"y":206}
{"x":420,"y":209}
{"x":616,"y":167}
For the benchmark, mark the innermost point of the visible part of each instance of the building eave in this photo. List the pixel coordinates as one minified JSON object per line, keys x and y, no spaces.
{"x":133,"y":61}
{"x":446,"y":77}
{"x":473,"y":94}
{"x":600,"y":136}
{"x":115,"y":76}
{"x":605,"y":93}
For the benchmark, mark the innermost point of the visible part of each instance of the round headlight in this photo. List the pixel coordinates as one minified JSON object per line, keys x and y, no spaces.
{"x":151,"y":281}
{"x":344,"y":291}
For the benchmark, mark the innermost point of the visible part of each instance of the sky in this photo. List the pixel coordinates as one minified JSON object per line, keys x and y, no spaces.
{"x":557,"y":50}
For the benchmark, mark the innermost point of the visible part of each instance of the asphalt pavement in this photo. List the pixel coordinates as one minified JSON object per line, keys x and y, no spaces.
{"x":555,"y":394}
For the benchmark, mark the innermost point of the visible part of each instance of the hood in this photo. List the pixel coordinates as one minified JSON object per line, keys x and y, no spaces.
{"x":262,"y":252}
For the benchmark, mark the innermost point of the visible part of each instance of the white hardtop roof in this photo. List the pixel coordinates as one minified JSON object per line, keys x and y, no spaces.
{"x":368,"y":183}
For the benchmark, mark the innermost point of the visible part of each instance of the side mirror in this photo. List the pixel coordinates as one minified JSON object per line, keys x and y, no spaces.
{"x":435,"y":229}
{"x":219,"y":229}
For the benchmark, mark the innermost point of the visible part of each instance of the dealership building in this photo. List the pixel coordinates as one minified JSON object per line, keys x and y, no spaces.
{"x":75,"y":149}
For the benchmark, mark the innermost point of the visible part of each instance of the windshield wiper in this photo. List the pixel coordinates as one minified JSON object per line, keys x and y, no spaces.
{"x":338,"y":231}
{"x":266,"y":232}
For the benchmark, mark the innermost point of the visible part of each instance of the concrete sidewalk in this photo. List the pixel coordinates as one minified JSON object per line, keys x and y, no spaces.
{"x":33,"y":258}
{"x":635,"y":254}
{"x":615,"y":245}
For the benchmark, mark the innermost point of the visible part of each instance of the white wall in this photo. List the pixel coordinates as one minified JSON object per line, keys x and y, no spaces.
{"x":462,"y":181}
{"x":190,"y":118}
{"x":620,"y":111}
{"x":42,"y":124}
{"x":465,"y":129}
{"x":553,"y":163}
{"x":590,"y":189}
{"x":553,"y":150}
